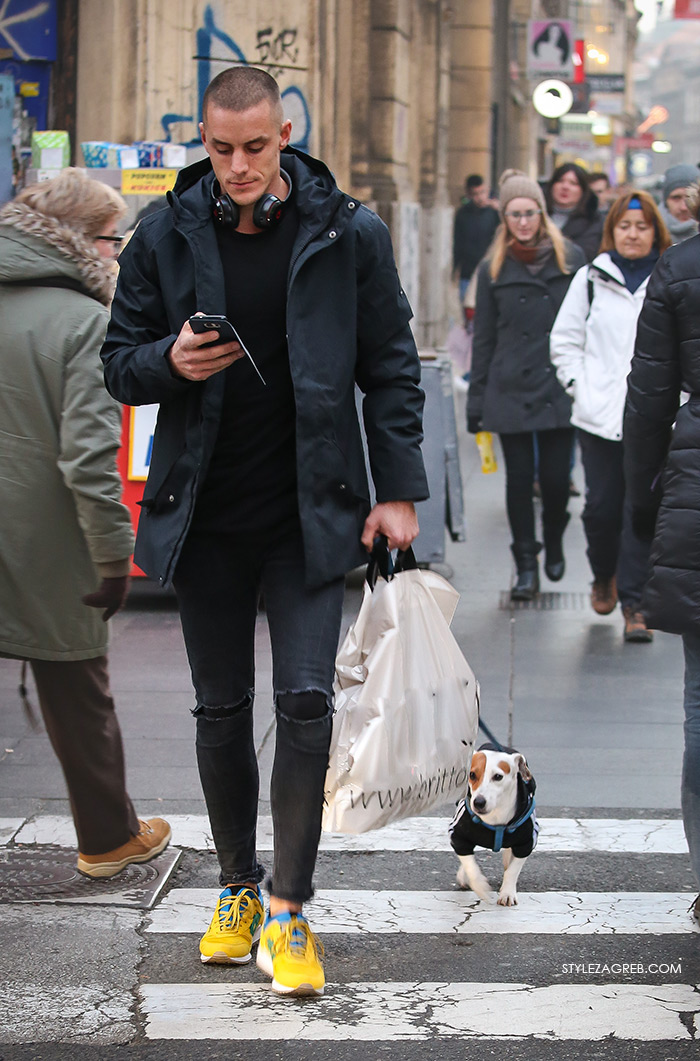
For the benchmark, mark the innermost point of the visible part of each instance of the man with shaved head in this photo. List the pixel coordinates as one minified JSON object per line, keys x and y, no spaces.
{"x":258,"y":479}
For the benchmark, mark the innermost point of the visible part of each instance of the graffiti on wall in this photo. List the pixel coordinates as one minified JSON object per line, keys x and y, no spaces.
{"x":29,"y":29}
{"x":277,"y":51}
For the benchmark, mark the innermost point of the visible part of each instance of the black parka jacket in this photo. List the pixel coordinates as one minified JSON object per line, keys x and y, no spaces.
{"x":513,"y":385}
{"x":662,"y":462}
{"x":584,"y":226}
{"x":347,"y":321}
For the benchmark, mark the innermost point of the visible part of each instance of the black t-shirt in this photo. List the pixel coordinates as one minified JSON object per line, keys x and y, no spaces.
{"x":251,"y":481}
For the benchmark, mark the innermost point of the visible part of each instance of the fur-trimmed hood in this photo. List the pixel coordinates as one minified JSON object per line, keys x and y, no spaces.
{"x":34,"y":246}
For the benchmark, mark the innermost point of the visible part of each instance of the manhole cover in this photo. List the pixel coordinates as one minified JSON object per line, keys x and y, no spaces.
{"x":48,"y":875}
{"x":546,"y":602}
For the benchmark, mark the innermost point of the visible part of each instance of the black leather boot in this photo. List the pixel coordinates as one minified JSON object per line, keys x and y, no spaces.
{"x":554,"y":562}
{"x":527,"y":584}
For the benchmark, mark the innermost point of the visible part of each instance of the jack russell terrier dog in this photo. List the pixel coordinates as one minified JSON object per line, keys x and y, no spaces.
{"x":499,"y":814}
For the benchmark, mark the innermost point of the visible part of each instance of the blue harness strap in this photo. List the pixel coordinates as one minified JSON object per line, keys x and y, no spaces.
{"x":499,"y":831}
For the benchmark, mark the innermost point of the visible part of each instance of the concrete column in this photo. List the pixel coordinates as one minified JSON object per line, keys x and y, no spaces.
{"x":471,"y":34}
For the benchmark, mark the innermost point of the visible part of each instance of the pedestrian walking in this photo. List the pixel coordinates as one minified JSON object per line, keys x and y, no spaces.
{"x":678,"y":181}
{"x":475,"y":224}
{"x":573,"y":208}
{"x":67,"y":539}
{"x":262,"y":485}
{"x":662,"y":472}
{"x":514,"y":390}
{"x":599,"y":183}
{"x":591,"y":347}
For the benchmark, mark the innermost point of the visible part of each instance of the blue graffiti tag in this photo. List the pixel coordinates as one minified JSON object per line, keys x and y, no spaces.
{"x":296,"y":106}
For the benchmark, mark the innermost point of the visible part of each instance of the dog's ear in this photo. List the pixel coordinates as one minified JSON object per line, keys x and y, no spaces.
{"x":523,"y":768}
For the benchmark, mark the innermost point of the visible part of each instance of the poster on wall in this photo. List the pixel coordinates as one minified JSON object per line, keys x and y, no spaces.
{"x":29,"y":29}
{"x":550,"y":49}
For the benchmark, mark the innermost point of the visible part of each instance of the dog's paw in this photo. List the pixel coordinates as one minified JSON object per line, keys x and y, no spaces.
{"x":507,"y":898}
{"x":463,"y":879}
{"x":481,"y":890}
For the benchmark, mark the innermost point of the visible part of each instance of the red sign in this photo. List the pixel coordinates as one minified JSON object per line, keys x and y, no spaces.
{"x":687,"y":9}
{"x":635,"y":143}
{"x":579,"y":72}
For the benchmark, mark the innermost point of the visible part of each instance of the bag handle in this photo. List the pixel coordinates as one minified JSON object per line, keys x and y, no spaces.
{"x":381,"y":562}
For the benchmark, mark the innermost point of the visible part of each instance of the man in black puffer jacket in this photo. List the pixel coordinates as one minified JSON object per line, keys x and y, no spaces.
{"x":662,"y":476}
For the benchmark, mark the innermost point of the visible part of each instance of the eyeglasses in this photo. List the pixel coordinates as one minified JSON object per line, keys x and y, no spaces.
{"x":116,"y":240}
{"x":518,"y":215}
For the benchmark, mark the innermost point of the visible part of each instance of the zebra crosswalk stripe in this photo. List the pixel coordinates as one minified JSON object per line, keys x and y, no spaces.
{"x":414,"y":1011}
{"x":340,"y":911}
{"x":633,"y":835}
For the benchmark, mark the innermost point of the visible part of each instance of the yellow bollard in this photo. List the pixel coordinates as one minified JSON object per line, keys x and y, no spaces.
{"x":484,"y":440}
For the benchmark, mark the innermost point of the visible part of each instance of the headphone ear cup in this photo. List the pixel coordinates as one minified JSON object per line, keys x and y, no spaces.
{"x":268,"y":211}
{"x":225,"y":211}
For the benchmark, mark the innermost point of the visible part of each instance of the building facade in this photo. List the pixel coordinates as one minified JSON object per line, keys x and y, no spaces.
{"x":395,"y":95}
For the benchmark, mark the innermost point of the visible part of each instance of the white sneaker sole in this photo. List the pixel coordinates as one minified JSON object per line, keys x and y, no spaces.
{"x":264,"y":963}
{"x":101,"y":870}
{"x":220,"y":958}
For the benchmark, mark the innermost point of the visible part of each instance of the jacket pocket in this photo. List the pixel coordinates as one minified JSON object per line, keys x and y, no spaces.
{"x":173,"y":487}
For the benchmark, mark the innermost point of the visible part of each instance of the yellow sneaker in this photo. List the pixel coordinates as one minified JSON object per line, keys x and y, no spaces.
{"x":234,"y":928}
{"x":289,"y":953}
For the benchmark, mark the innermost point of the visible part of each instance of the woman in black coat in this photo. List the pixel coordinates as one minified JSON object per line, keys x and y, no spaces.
{"x":661,"y":443}
{"x":573,"y":208}
{"x":513,"y":388}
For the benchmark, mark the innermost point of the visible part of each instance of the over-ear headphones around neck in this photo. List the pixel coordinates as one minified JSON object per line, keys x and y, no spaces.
{"x":267,"y":212}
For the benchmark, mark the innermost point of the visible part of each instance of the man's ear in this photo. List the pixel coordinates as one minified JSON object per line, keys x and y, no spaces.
{"x":285,"y":133}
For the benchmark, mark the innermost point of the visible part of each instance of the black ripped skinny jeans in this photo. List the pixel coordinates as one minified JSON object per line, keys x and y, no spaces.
{"x":218,"y":582}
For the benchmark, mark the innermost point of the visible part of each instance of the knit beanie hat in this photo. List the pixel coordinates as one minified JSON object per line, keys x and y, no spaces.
{"x":514,"y":184}
{"x":680,"y":176}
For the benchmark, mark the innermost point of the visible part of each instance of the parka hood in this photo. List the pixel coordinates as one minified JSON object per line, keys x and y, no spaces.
{"x":35,"y":247}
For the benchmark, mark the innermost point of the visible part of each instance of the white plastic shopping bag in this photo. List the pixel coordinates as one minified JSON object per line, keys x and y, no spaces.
{"x":406,"y":706}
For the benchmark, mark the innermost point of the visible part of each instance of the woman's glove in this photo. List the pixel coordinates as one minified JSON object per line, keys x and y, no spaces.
{"x":110,"y":595}
{"x":473,"y":424}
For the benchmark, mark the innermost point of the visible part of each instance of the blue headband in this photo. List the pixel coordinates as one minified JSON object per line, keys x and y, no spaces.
{"x":634,"y":204}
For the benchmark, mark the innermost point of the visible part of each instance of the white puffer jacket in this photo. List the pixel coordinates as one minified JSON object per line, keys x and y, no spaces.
{"x":592,"y":343}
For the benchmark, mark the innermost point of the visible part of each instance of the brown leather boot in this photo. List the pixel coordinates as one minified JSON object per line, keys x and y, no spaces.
{"x":604,"y":595}
{"x":636,"y":628}
{"x":152,"y":838}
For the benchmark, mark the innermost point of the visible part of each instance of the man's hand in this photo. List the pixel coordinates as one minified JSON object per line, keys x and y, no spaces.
{"x":189,"y":360}
{"x":396,"y":519}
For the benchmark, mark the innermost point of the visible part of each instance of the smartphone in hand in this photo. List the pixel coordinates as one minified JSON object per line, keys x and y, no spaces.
{"x":212,"y":322}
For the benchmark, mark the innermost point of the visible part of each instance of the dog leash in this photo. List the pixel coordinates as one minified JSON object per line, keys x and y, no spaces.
{"x":496,"y":743}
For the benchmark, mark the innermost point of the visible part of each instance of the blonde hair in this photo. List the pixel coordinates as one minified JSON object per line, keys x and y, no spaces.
{"x":75,"y":200}
{"x":496,"y":253}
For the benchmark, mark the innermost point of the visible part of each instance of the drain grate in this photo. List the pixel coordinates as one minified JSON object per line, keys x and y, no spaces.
{"x":49,"y":875}
{"x":546,"y":602}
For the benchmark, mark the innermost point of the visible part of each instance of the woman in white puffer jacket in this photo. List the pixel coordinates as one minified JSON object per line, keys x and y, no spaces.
{"x":591,"y":347}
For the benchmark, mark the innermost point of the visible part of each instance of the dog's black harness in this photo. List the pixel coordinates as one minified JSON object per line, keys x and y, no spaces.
{"x":468,"y":831}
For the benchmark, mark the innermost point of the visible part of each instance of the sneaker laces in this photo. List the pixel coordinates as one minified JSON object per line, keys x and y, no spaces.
{"x":231,"y":909}
{"x":296,"y":937}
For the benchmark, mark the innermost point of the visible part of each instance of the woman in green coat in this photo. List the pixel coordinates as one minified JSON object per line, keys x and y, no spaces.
{"x":66,"y":537}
